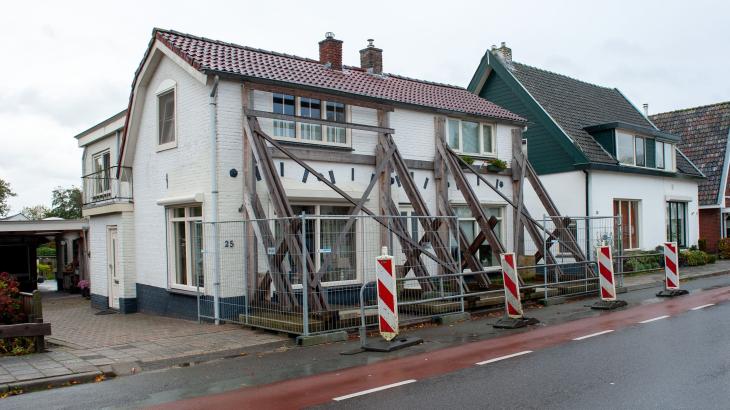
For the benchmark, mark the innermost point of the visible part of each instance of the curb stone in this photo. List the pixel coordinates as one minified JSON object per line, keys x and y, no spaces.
{"x":55,"y":381}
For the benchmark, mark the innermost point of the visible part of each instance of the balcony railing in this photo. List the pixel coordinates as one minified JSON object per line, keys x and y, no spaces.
{"x":111,"y":185}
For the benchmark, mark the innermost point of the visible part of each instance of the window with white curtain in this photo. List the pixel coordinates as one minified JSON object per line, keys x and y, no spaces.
{"x":471,"y":228}
{"x":186,"y":265}
{"x":311,"y":108}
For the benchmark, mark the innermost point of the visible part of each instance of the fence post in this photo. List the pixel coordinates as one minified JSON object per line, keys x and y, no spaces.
{"x":245,"y":272}
{"x":458,"y":264}
{"x":37,"y":304}
{"x":305,"y":299}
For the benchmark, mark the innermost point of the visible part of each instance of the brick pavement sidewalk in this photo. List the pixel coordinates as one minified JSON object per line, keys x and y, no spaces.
{"x":87,"y":340}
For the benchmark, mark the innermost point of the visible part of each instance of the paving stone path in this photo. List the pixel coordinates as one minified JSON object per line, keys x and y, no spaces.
{"x":87,"y":340}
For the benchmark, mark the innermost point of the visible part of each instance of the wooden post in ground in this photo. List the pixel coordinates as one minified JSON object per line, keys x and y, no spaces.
{"x":518,"y":178}
{"x":384,"y":178}
{"x":249,"y":185}
{"x":440,"y":177}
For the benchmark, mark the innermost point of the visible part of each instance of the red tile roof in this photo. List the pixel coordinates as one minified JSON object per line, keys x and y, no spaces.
{"x":205,"y":54}
{"x":704,"y":132}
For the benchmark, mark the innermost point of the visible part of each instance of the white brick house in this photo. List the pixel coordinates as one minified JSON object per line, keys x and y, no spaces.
{"x":164,"y":137}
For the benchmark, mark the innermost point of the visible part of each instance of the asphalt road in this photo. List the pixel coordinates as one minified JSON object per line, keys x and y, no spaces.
{"x":680,"y":362}
{"x":281,"y":376}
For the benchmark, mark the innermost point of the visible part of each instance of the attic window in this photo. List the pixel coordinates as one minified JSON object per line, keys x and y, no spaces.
{"x":166,"y":115}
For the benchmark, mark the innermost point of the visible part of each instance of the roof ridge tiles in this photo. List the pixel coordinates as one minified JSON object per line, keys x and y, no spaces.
{"x":692,"y":108}
{"x":563,"y":75}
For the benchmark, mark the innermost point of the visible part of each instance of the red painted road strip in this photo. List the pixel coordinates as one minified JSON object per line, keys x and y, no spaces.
{"x":322,"y":388}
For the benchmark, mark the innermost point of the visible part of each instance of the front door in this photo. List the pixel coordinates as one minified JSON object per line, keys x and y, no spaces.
{"x":113,"y":276}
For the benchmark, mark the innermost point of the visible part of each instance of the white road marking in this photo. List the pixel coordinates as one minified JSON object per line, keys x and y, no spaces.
{"x":703,"y":306}
{"x":656,"y":318}
{"x":504,"y":357}
{"x":349,"y":396}
{"x":593,"y":334}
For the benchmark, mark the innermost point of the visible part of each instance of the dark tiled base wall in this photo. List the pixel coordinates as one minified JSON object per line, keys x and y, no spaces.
{"x":152,"y":300}
{"x":99,"y":302}
{"x":126,"y":305}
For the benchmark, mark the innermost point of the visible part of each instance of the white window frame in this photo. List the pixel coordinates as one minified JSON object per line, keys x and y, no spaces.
{"x":359,"y":245}
{"x":189,"y":245}
{"x":482,"y":152}
{"x":323,"y":115}
{"x":102,"y":193}
{"x":165,"y":87}
{"x":633,"y":144}
{"x":673,"y":157}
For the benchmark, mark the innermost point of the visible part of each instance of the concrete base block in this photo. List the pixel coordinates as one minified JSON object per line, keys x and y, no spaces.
{"x":322,"y":338}
{"x":454,"y":317}
{"x":621,"y":289}
{"x":558,"y":300}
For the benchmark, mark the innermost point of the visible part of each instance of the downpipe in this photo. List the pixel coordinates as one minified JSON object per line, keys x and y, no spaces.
{"x":214,"y":200}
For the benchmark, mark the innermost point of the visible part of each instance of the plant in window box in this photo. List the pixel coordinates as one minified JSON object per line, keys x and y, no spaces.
{"x":469,"y":160}
{"x":496,"y":165}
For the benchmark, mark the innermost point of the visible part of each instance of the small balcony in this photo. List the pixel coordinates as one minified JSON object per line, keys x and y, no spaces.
{"x":109,"y":186}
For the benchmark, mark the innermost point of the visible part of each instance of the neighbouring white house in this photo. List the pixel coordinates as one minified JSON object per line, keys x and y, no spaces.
{"x":143,"y":229}
{"x":596,"y":153}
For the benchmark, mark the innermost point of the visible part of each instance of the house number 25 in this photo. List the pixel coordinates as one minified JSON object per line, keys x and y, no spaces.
{"x":229,"y":244}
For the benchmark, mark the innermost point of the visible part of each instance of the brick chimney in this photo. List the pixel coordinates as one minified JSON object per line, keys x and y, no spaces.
{"x":330,"y":51}
{"x":504,"y":53}
{"x":371,"y":58}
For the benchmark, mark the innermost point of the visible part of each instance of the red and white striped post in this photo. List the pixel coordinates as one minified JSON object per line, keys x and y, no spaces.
{"x":511,"y":286}
{"x":671,"y":272}
{"x":387,"y":296}
{"x":605,"y":268}
{"x":670,"y":265}
{"x":607,"y":280}
{"x":511,"y":280}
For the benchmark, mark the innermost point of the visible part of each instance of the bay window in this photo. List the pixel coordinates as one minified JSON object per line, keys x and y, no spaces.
{"x":471,"y":137}
{"x":311,"y":108}
{"x":636,"y":150}
{"x":186,"y":265}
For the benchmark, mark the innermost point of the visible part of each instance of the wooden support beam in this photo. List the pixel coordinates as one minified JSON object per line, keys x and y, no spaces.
{"x":383,"y":177}
{"x":468,"y":258}
{"x":309,"y":120}
{"x":248,"y":178}
{"x":355,"y":211}
{"x":316,"y":96}
{"x":344,"y":195}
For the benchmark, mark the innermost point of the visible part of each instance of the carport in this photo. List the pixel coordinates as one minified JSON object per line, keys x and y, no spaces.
{"x":19,"y":240}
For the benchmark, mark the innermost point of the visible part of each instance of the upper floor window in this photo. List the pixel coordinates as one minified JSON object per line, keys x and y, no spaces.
{"x":664,"y":154}
{"x":102,"y":165}
{"x":471,"y":137}
{"x":637,"y":150}
{"x":311,"y":108}
{"x":166,"y":113}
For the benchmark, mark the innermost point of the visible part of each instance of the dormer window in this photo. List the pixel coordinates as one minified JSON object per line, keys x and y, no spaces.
{"x":641,"y":151}
{"x":301,"y":131}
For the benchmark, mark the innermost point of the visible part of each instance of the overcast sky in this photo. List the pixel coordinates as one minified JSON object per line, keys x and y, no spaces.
{"x":68,"y":65}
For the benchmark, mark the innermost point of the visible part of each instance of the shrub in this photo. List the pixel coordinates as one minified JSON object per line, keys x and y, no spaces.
{"x":17,"y":346}
{"x":44,"y":251}
{"x":655,"y":265}
{"x":44,"y":269}
{"x":469,"y":160}
{"x":711,"y":258}
{"x":693,"y":248}
{"x":702,"y":244}
{"x":11,"y":307}
{"x":724,"y":246}
{"x":694,"y":257}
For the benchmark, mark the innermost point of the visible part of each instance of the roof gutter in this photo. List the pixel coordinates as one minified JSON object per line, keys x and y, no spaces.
{"x":636,"y":171}
{"x":297,"y":86}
